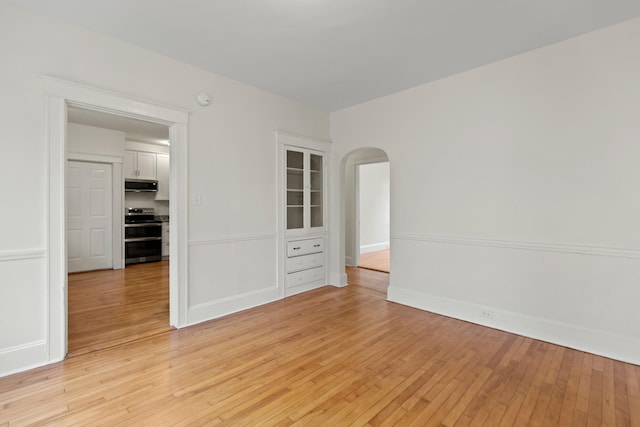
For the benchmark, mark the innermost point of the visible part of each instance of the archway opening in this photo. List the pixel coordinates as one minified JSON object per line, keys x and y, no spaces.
{"x":366,"y":210}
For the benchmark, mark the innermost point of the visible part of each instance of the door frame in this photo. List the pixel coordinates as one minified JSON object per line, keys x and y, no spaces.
{"x":58,"y":95}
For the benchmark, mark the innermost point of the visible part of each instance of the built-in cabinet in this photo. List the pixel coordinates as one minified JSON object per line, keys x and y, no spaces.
{"x":139,"y":165}
{"x":305,"y":191}
{"x":305,"y":263}
{"x":303,"y":213}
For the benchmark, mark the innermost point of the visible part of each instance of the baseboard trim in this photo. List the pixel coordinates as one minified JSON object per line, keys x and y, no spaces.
{"x":625,"y":349}
{"x":24,"y":357}
{"x":224,"y":306}
{"x":365,"y":249}
{"x":524,"y":245}
{"x":295,"y":290}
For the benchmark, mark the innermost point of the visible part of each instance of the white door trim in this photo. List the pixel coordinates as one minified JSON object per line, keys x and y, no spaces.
{"x":58,"y":95}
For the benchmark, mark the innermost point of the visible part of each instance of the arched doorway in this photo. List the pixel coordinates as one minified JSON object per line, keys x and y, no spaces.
{"x":366,"y":224}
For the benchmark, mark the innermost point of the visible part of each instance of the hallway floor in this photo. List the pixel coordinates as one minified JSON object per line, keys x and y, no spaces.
{"x":378,"y":261}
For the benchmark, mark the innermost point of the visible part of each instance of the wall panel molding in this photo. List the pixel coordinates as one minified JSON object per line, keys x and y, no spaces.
{"x":231,"y":273}
{"x":233,"y":238}
{"x":22,"y":255}
{"x":570,"y":248}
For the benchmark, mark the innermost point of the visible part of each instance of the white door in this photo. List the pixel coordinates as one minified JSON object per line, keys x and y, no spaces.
{"x":89,"y":222}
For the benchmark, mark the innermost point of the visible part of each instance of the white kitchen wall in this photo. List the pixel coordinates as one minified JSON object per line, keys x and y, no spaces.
{"x":94,"y":140}
{"x":374,"y":207}
{"x":145,"y":146}
{"x":231,"y":164}
{"x":514,"y":191}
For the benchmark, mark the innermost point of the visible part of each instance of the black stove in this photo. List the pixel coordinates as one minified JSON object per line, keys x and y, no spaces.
{"x":142,"y":236}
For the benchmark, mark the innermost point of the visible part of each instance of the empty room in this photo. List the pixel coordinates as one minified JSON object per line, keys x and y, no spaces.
{"x":203,"y":185}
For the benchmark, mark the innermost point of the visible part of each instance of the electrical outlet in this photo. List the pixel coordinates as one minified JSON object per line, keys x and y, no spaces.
{"x":485,"y":314}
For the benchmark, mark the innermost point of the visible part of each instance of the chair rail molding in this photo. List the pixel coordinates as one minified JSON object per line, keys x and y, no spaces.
{"x":571,"y":248}
{"x":22,"y":255}
{"x":228,"y":238}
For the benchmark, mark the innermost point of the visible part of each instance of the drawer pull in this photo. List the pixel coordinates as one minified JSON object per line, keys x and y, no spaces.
{"x":316,"y":245}
{"x":295,"y":249}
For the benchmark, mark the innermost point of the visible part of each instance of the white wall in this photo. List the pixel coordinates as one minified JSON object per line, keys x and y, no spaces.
{"x":374,"y":207}
{"x":94,"y":140}
{"x":145,"y":146}
{"x":514,"y":191}
{"x":231,"y":163}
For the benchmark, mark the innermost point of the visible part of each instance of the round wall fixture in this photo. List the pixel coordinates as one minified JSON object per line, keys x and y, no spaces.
{"x":204,"y":99}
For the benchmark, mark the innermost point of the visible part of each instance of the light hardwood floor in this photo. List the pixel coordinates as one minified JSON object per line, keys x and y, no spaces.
{"x":378,"y":260}
{"x":329,"y":357}
{"x":112,"y":307}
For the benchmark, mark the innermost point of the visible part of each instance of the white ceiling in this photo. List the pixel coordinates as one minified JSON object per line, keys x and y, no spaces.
{"x":336,"y":53}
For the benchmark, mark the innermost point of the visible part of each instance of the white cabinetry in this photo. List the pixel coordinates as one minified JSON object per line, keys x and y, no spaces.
{"x":305,"y":184}
{"x":303,"y":180}
{"x":162,"y":172}
{"x":305,"y":265}
{"x":139,"y":165}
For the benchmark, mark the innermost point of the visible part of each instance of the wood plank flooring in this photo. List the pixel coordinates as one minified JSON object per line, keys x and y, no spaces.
{"x":333,"y":356}
{"x":112,"y":307}
{"x":378,"y":260}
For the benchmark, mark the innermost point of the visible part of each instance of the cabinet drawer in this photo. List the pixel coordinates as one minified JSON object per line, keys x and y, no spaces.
{"x":304,"y":247}
{"x":306,"y":276}
{"x":305,"y":262}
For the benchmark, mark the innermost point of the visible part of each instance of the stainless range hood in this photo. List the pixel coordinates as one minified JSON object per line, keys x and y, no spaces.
{"x":140,"y":185}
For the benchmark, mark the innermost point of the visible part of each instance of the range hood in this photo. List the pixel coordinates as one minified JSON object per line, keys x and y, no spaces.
{"x":140,"y":185}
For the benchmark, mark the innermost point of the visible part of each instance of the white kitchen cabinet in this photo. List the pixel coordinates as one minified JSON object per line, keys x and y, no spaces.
{"x":139,"y":165}
{"x":162,"y":173}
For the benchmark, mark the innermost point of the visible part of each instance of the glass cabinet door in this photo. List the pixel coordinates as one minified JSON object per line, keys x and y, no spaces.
{"x":316,"y":190}
{"x":304,"y":189}
{"x":295,"y":190}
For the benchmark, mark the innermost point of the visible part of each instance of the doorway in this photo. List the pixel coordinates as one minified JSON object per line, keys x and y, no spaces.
{"x":59,"y":95}
{"x":372,"y":216}
{"x":108,"y":303}
{"x":366,"y":202}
